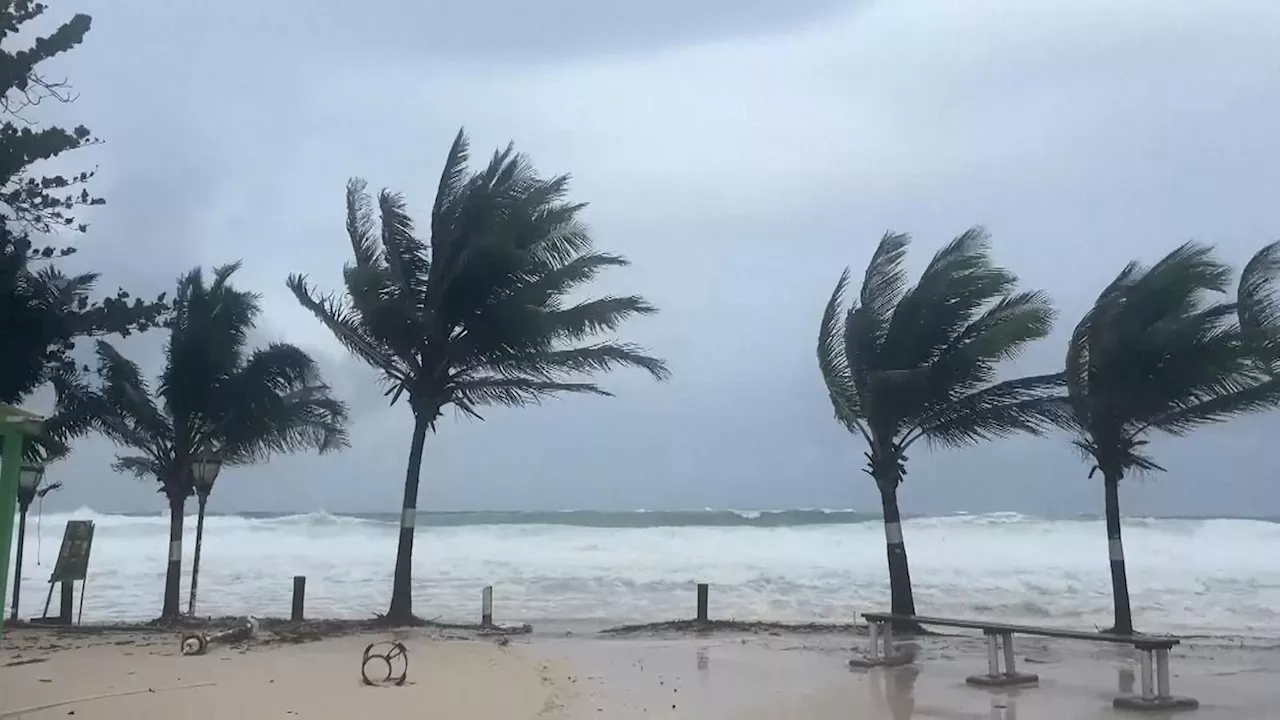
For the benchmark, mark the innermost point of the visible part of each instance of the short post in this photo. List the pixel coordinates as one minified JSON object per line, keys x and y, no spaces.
{"x":993,"y":657}
{"x":486,"y":606}
{"x":703,"y":590}
{"x":299,"y":597}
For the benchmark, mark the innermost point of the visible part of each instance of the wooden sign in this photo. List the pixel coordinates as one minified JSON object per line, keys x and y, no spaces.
{"x":73,"y":557}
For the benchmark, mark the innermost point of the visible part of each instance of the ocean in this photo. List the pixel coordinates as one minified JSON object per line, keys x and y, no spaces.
{"x":593,"y":569}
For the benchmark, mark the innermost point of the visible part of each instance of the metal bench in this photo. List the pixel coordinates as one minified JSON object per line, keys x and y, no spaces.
{"x":1153,"y":655}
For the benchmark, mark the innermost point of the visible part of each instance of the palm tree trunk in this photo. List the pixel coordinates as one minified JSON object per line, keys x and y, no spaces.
{"x":901,"y":601}
{"x":401,"y":611}
{"x":173,"y":576}
{"x":17,"y":571}
{"x":201,"y":499}
{"x":1119,"y":579}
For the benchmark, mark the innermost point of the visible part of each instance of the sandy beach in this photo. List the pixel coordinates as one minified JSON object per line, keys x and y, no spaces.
{"x":119,"y":676}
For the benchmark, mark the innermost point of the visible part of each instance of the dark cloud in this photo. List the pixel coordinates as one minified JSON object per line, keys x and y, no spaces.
{"x":487,"y":30}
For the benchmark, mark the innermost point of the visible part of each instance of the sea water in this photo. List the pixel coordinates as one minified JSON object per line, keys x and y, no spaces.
{"x":1190,"y":576}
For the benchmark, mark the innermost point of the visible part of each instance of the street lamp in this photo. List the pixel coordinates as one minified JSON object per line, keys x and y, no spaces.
{"x":204,"y":470}
{"x":29,"y":477}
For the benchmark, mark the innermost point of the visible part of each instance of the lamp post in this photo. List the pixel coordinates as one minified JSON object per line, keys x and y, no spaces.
{"x":29,"y":477}
{"x":16,"y":426}
{"x":204,"y":470}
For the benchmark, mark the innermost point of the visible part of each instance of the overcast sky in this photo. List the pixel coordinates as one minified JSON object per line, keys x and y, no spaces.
{"x":740,"y":154}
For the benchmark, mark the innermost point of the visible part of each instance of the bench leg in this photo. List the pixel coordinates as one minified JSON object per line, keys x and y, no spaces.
{"x":1155,"y":698}
{"x":1162,"y":673}
{"x":993,"y":657}
{"x":875,"y":658}
{"x":1144,"y":662}
{"x":1010,"y":676}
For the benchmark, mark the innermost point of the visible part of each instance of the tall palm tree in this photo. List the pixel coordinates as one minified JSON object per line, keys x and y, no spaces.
{"x":215,"y":395}
{"x":904,"y":364}
{"x":480,"y":313}
{"x":1159,"y":352}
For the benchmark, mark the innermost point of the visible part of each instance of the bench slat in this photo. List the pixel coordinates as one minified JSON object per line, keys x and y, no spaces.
{"x":1139,"y":641}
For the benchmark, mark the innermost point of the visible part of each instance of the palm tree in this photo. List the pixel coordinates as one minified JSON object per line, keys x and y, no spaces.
{"x":1157,"y":353}
{"x":904,"y":364}
{"x":215,"y":396}
{"x":478,"y":314}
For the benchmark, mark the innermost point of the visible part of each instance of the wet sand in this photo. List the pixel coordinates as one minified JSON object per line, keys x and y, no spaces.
{"x":774,"y":677}
{"x":731,"y":676}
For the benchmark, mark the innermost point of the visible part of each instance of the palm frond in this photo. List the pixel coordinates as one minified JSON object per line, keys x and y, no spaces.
{"x":406,"y":257}
{"x":122,"y":408}
{"x":474,"y":393}
{"x":1030,"y":405}
{"x":1259,"y":302}
{"x":361,"y":227}
{"x":277,"y":403}
{"x":452,"y":183}
{"x":585,"y":360}
{"x":140,"y":466}
{"x":959,"y":281}
{"x":1157,"y":353}
{"x":905,"y":363}
{"x":348,"y":329}
{"x":883,"y":284}
{"x":1228,"y":403}
{"x":834,"y":364}
{"x":488,"y":311}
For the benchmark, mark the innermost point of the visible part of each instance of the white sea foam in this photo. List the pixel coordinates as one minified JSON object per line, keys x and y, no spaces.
{"x":1187,"y":576}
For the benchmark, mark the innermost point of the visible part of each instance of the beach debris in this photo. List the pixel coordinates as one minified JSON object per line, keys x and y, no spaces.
{"x":21,"y":712}
{"x":391,"y":655}
{"x":198,"y":643}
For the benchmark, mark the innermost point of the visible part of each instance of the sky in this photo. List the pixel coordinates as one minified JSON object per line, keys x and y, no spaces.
{"x":741,"y":154}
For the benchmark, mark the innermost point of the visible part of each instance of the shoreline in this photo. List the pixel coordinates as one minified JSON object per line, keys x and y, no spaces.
{"x":715,"y":674}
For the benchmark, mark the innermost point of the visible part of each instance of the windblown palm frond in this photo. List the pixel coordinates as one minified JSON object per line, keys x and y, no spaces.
{"x":213,"y":395}
{"x":921,"y":362}
{"x":1259,"y":300}
{"x":1157,"y":352}
{"x":479,"y":313}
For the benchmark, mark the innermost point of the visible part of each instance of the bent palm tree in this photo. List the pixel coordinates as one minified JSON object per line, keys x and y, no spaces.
{"x":480,"y":313}
{"x":1155,"y":354}
{"x":215,"y":396}
{"x":903,"y":364}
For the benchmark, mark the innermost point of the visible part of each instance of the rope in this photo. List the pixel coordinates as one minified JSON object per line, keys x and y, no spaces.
{"x":37,"y":708}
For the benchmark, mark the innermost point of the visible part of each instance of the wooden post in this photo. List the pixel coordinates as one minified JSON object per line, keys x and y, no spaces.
{"x":486,"y":606}
{"x":299,"y":597}
{"x":68,"y":604}
{"x":702,"y":602}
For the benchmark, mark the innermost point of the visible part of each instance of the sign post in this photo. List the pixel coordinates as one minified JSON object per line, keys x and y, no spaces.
{"x":72,"y":565}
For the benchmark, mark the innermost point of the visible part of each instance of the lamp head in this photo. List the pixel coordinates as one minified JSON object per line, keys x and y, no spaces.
{"x":204,"y":470}
{"x":29,"y":476}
